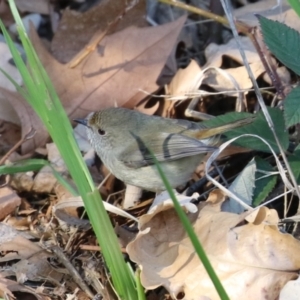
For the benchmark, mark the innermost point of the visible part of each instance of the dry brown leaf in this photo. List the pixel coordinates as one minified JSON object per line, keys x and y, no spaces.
{"x":9,"y":201}
{"x":76,"y":29}
{"x":253,"y":260}
{"x":126,"y":62}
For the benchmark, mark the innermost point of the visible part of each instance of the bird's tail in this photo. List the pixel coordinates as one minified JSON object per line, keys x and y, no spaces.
{"x":209,"y":132}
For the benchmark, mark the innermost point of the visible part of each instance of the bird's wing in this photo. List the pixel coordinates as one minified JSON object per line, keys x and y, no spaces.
{"x":174,"y":146}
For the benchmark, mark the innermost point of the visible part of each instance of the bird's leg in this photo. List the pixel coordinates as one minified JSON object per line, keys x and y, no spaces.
{"x":132,"y":196}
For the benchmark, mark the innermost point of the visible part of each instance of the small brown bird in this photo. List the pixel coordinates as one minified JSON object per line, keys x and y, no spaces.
{"x":122,"y":138}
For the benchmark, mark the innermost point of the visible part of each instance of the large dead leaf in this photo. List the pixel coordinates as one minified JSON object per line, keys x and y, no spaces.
{"x":252,"y":258}
{"x":126,"y":63}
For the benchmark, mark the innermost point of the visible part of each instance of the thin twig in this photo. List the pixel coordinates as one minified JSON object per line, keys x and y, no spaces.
{"x":72,"y":271}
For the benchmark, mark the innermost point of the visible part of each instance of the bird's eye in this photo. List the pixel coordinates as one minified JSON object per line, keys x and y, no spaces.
{"x":101,"y":131}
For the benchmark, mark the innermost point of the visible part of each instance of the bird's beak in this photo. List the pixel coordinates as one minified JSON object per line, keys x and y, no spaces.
{"x":81,"y":121}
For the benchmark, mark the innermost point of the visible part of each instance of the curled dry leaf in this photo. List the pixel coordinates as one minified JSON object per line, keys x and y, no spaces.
{"x":237,"y":78}
{"x":186,"y":81}
{"x":252,"y":259}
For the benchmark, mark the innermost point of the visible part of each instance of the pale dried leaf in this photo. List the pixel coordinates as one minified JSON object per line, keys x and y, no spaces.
{"x":215,"y":53}
{"x":252,"y":260}
{"x":163,"y":200}
{"x":186,"y":81}
{"x":232,"y":79}
{"x":291,"y":291}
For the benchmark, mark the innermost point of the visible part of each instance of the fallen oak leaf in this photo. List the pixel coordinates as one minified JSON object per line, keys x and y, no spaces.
{"x":252,"y":260}
{"x":131,"y":60}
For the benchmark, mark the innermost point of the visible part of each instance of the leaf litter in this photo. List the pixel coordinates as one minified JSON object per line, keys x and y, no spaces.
{"x":250,"y":254}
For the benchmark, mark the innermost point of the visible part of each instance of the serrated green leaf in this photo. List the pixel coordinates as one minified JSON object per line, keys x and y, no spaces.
{"x":292,"y":107}
{"x":283,"y":42}
{"x":263,"y":186}
{"x":259,"y":127}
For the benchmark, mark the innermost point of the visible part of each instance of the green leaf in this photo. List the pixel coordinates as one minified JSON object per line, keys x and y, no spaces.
{"x":283,"y":42}
{"x":292,"y":107}
{"x":294,"y":161}
{"x":259,"y":127}
{"x":263,"y":186}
